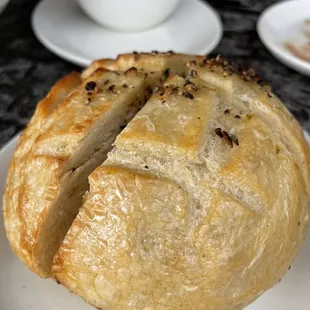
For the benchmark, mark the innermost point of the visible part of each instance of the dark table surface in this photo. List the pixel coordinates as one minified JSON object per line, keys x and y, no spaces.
{"x":28,"y":70}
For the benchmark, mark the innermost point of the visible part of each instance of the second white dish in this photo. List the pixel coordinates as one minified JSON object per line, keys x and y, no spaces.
{"x":281,"y":22}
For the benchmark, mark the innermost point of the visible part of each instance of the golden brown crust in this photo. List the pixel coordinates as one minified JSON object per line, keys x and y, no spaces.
{"x":173,"y":122}
{"x":246,"y":86}
{"x":12,"y":196}
{"x":58,"y":129}
{"x":212,"y":229}
{"x":202,"y":204}
{"x":146,"y":62}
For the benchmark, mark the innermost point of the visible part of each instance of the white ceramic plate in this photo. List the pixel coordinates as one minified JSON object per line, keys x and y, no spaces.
{"x":280,"y":23}
{"x":194,"y":28}
{"x":20,"y":289}
{"x":3,"y":4}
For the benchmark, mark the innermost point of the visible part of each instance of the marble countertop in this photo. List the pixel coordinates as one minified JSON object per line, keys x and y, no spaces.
{"x":28,"y":70}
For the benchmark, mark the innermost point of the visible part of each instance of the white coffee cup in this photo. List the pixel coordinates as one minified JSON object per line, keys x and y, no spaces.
{"x":128,"y":15}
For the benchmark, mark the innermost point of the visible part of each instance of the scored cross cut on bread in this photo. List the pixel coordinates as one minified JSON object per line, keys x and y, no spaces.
{"x":66,"y":150}
{"x":173,"y":122}
{"x":202,"y":203}
{"x":11,"y":206}
{"x":68,"y":137}
{"x":214,"y":165}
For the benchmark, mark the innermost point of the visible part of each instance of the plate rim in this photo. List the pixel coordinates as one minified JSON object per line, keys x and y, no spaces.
{"x":8,"y":144}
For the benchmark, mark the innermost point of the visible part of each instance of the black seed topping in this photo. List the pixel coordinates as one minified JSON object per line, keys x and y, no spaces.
{"x":188,"y":82}
{"x":188,"y":95}
{"x":166,"y":73}
{"x":193,"y":73}
{"x":229,"y":68}
{"x":228,"y":139}
{"x":174,"y":90}
{"x":136,"y":56}
{"x":190,"y":86}
{"x":234,"y":139}
{"x":112,"y":89}
{"x":90,"y":86}
{"x":218,"y":131}
{"x":159,"y":90}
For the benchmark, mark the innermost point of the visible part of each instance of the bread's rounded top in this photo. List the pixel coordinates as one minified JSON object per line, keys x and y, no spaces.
{"x":203,"y":202}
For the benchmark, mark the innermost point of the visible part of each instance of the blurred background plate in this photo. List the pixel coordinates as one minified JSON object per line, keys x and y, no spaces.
{"x":194,"y":28}
{"x":3,"y":4}
{"x":282,"y":22}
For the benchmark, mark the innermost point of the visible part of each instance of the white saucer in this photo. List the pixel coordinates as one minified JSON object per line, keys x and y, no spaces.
{"x":279,"y":23}
{"x":21,"y":289}
{"x":194,"y":28}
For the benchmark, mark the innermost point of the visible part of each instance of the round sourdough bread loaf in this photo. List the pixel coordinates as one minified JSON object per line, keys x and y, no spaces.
{"x":202,"y":202}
